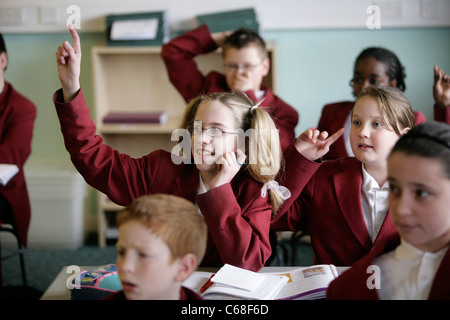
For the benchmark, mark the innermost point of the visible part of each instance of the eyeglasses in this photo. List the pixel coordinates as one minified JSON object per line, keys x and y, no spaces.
{"x":232,"y":67}
{"x":212,"y":132}
{"x":358,"y":81}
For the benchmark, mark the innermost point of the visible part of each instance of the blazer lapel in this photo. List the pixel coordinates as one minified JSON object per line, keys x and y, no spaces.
{"x":348,"y":192}
{"x":186,"y":184}
{"x":440,"y":288}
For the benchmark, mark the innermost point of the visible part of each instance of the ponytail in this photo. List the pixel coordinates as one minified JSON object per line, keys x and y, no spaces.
{"x":264,"y":156}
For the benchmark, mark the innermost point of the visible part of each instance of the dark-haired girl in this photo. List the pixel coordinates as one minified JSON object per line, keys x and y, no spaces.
{"x":417,"y":264}
{"x":373,"y":67}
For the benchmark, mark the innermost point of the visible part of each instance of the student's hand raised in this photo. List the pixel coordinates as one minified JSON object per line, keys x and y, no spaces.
{"x":68,"y":59}
{"x":313,"y":144}
{"x":441,"y":88}
{"x":230,"y":165}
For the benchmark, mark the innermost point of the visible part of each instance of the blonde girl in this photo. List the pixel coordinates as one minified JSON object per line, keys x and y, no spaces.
{"x":344,"y":206}
{"x":231,"y":196}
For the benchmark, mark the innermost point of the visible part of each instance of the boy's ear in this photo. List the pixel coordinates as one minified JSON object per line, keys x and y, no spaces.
{"x":393,"y":83}
{"x":266,"y":65}
{"x":405,"y":130}
{"x":186,"y":265}
{"x":3,"y":61}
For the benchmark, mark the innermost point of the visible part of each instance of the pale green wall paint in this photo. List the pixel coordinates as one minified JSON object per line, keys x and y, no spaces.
{"x":314,"y":67}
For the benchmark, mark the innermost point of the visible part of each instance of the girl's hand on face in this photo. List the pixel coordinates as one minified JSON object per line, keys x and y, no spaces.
{"x":313,"y":144}
{"x":68,"y":59}
{"x":228,"y":167}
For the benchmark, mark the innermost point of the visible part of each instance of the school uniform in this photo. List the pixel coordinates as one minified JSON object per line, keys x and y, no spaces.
{"x":442,"y":114}
{"x":185,"y":294}
{"x":179,"y":55}
{"x":330,"y":209}
{"x":402,"y":272}
{"x":238,"y":217}
{"x":17,"y":115}
{"x":336,"y":116}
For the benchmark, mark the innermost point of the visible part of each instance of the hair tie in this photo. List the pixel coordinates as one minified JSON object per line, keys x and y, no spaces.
{"x":256,"y":105}
{"x":283,"y":192}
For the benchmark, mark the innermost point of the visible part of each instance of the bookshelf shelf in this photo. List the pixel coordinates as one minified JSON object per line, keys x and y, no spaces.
{"x":135,"y":79}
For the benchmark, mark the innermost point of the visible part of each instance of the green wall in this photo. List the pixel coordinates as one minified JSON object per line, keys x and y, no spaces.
{"x":314,"y":68}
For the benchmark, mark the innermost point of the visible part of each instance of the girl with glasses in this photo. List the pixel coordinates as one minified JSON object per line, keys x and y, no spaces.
{"x":232,"y":184}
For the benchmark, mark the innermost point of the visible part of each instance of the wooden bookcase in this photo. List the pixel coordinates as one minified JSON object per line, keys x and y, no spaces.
{"x":135,"y":79}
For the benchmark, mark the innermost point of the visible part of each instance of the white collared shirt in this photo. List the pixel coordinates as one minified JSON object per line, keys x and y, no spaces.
{"x":259,"y":94}
{"x":201,"y":186}
{"x":407,"y":273}
{"x":374,"y":202}
{"x":348,"y":127}
{"x":201,"y":189}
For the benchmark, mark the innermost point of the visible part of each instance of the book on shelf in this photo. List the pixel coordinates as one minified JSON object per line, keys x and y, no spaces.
{"x":230,"y":283}
{"x":159,"y":117}
{"x":7,"y":171}
{"x":230,"y":20}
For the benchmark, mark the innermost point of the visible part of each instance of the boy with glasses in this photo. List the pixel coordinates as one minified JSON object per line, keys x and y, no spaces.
{"x":246,"y":63}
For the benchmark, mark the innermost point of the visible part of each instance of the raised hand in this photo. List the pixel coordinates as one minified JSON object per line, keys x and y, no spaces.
{"x":230,"y":165}
{"x":441,"y":88}
{"x":68,"y":59}
{"x":313,"y":144}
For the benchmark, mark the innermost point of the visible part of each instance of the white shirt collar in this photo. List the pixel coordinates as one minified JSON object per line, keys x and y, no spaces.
{"x":406,"y":251}
{"x":201,"y":185}
{"x":369,"y":183}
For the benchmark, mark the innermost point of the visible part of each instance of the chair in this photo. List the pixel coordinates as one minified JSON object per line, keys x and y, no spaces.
{"x":6,"y":227}
{"x":298,"y":239}
{"x":280,"y":254}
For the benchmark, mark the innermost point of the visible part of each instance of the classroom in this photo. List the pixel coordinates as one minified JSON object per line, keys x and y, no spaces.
{"x":312,"y":48}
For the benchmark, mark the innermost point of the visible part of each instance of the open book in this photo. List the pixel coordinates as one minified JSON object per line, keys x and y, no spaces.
{"x":306,"y":283}
{"x":232,"y":283}
{"x":7,"y":171}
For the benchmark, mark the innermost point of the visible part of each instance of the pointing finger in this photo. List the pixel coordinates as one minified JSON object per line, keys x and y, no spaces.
{"x":335,"y":136}
{"x":76,"y":40}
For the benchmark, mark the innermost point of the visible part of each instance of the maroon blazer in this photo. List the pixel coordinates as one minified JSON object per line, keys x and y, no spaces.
{"x":329,"y":208}
{"x":238,"y":217}
{"x":179,"y":56}
{"x":442,"y":114}
{"x":352,"y":285}
{"x":333,"y":118}
{"x":17,"y":115}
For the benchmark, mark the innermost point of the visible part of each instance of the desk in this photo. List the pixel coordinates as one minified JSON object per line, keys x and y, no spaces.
{"x":58,"y":288}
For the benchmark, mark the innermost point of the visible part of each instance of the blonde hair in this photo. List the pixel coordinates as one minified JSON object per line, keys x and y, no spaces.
{"x":396,"y":111}
{"x":175,"y":220}
{"x":262,"y":141}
